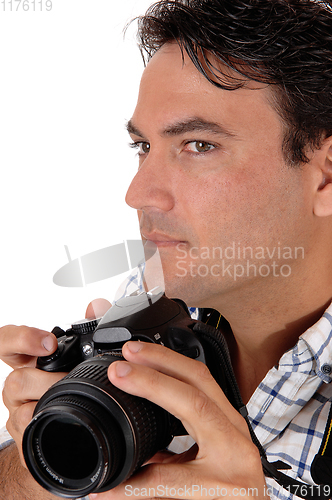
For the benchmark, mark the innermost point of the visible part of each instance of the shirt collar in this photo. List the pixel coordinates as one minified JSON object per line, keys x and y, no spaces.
{"x":313,"y":351}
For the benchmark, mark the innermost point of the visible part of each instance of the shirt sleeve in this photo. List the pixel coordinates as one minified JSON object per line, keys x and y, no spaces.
{"x":5,"y":438}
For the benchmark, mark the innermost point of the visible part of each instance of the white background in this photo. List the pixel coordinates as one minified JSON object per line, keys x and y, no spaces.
{"x":68,"y":85}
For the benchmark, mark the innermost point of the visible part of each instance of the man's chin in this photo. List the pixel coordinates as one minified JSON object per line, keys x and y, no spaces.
{"x":177,"y":289}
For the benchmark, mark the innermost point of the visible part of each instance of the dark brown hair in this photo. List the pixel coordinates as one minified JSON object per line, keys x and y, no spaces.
{"x":284,"y":43}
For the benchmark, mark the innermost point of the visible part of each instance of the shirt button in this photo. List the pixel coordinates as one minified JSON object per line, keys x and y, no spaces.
{"x":327,"y":369}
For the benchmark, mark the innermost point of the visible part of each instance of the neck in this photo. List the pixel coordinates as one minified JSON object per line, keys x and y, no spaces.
{"x":252,"y":361}
{"x":264,"y":326}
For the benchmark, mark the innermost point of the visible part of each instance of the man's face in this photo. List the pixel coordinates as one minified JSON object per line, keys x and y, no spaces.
{"x":212,"y":186}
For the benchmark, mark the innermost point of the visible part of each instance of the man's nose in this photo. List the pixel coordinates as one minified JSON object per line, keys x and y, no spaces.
{"x":152,"y":185}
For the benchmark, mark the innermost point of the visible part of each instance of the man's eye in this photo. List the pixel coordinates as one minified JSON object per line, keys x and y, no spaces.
{"x":142,"y":147}
{"x":199,"y":147}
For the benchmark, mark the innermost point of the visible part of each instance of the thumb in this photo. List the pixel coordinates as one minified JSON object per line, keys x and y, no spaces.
{"x":97,"y":308}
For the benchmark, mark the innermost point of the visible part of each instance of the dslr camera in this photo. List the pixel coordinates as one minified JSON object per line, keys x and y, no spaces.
{"x":86,"y":435}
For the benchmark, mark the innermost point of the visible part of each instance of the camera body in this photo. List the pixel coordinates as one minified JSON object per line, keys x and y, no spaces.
{"x":149,"y":317}
{"x":86,"y":434}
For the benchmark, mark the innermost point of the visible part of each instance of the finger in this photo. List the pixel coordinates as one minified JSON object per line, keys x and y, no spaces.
{"x":198,"y":413}
{"x":21,"y":386}
{"x":97,"y":308}
{"x":19,"y":346}
{"x":182,"y":368}
{"x":27,"y":384}
{"x":18,"y":421}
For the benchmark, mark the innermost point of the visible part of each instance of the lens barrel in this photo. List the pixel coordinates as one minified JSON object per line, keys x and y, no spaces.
{"x":89,"y":436}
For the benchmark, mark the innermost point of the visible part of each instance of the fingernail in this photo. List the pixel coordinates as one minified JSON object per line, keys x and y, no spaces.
{"x":134,"y":346}
{"x":48,"y":343}
{"x":92,"y":496}
{"x":122,"y":369}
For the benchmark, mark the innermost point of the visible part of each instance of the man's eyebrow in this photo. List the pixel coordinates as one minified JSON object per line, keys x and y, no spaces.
{"x":181,"y":127}
{"x":131,"y":129}
{"x":196,"y":125}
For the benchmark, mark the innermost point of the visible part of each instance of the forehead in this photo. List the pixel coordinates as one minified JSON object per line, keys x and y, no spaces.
{"x":172,"y":88}
{"x":171,"y":62}
{"x":171,"y":73}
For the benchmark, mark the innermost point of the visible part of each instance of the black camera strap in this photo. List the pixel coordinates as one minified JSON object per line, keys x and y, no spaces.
{"x":321,"y":467}
{"x":216,"y":348}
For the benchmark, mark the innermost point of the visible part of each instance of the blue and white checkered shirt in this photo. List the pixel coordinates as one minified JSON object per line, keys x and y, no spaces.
{"x":290,"y":407}
{"x":5,"y":438}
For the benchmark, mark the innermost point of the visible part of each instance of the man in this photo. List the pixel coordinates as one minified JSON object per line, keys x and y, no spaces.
{"x":233,"y":127}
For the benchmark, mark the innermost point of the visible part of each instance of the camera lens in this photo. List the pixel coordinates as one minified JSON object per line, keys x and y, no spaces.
{"x":81,"y":455}
{"x":74,"y":445}
{"x":88,"y":436}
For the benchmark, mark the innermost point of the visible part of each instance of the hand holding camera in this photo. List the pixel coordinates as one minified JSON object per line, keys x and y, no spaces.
{"x":114,"y":442}
{"x":86,"y":435}
{"x":20,"y":347}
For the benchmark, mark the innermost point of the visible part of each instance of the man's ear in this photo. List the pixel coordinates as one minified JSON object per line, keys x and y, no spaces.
{"x":323,"y":194}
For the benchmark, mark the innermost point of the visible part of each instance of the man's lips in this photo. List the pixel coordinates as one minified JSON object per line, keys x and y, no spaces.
{"x":160,"y":239}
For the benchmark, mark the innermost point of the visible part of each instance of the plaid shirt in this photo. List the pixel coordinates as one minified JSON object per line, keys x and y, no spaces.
{"x":290,"y":407}
{"x":5,"y":438}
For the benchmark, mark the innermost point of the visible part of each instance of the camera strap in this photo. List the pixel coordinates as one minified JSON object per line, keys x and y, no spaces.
{"x":321,"y":467}
{"x":216,"y":349}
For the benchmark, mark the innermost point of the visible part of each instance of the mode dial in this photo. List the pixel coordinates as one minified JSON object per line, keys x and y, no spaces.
{"x":85,"y":326}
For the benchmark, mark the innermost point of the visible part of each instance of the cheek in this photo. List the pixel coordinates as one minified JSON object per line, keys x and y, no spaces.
{"x":218,"y":198}
{"x":245,"y":207}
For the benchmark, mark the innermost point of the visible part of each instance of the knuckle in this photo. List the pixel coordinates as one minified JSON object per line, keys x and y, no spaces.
{"x":10,"y":427}
{"x":6,"y":400}
{"x":6,"y":335}
{"x":15,"y":383}
{"x":202,"y":405}
{"x":202,"y":372}
{"x":14,"y":339}
{"x":23,"y":338}
{"x":19,"y":420}
{"x":24,"y":414}
{"x":207,"y":411}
